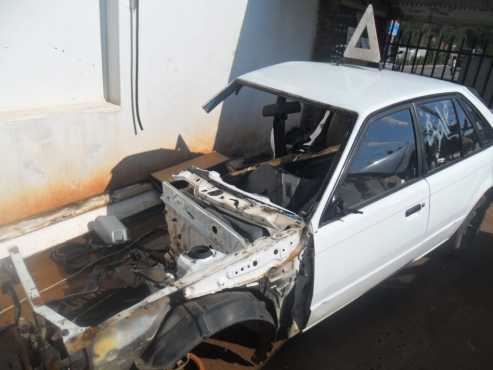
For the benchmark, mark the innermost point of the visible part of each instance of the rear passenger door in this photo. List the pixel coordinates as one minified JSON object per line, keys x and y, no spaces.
{"x":454,"y":163}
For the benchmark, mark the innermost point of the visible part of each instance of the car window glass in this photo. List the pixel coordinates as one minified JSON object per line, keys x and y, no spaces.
{"x":483,"y":128}
{"x":470,"y":140}
{"x":385,"y":160}
{"x":441,"y":132}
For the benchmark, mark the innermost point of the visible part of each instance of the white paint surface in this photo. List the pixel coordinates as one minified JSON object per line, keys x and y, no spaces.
{"x":362,"y":90}
{"x":358,"y":251}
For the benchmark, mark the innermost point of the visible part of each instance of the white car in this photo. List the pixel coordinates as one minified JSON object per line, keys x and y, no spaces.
{"x":381,"y":168}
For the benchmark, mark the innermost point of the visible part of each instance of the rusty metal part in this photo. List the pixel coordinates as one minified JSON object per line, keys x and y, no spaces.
{"x":15,"y":351}
{"x":190,"y":362}
{"x":204,"y":161}
{"x":199,"y":364}
{"x":288,"y":158}
{"x":70,"y":330}
{"x":119,"y":341}
{"x":127,"y":332}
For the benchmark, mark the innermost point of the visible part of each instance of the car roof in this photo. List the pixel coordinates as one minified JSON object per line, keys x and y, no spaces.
{"x":350,"y":87}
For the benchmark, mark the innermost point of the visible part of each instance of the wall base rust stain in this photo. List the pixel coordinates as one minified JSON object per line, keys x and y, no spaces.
{"x":62,"y":191}
{"x":56,"y":195}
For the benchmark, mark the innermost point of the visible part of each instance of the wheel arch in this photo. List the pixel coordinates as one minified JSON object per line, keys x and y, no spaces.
{"x":188,"y":324}
{"x":475,"y":216}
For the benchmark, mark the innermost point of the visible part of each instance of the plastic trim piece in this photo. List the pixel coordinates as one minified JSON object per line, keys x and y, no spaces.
{"x":192,"y":322}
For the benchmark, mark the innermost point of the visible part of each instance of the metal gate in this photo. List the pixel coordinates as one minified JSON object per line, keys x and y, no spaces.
{"x":462,"y":60}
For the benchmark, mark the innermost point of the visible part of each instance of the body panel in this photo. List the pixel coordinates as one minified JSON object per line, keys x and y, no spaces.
{"x":453,"y":192}
{"x":353,"y":253}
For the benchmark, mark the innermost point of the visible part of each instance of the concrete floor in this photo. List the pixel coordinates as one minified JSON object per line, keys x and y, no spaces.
{"x":438,"y":315}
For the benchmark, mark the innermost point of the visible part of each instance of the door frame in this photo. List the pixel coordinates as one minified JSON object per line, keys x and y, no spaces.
{"x":363,"y":128}
{"x":359,"y":129}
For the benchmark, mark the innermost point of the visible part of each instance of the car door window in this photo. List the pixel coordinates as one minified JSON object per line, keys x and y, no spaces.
{"x":385,"y":160}
{"x":485,"y":132}
{"x":440,"y":131}
{"x":470,"y":139}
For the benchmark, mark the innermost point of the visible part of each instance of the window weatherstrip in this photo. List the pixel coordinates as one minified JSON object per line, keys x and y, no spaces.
{"x":362,"y":131}
{"x":484,"y":144}
{"x":461,"y":137}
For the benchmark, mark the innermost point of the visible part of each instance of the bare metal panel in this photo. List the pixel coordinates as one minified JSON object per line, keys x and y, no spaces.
{"x":224,"y":238}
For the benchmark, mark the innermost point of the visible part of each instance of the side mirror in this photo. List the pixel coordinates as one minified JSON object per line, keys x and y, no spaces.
{"x":340,"y":210}
{"x":338,"y":204}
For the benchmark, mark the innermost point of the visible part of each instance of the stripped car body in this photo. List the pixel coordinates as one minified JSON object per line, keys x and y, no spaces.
{"x":238,"y":261}
{"x":268,"y":239}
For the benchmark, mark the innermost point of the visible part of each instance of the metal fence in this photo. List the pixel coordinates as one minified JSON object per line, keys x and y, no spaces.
{"x":464,"y":61}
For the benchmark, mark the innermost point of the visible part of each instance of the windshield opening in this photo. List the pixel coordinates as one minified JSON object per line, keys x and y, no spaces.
{"x":306,"y":140}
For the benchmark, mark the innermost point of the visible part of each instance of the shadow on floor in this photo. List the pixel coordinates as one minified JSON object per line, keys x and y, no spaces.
{"x":433,"y":316}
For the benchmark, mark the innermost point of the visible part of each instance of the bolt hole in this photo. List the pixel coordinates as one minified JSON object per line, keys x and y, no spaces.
{"x":276,"y":251}
{"x":214,"y":229}
{"x":254,"y":263}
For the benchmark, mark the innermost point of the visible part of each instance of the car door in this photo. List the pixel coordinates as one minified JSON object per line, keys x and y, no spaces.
{"x":376,"y":217}
{"x":454,"y":161}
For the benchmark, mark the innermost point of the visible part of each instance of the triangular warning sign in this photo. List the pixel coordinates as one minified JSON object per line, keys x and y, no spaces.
{"x":365,"y":27}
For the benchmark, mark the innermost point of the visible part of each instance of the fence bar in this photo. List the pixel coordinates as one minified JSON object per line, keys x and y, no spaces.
{"x":459,"y":54}
{"x":443,"y":51}
{"x":407,"y":50}
{"x":388,"y":42}
{"x":428,"y":46}
{"x":485,"y":46}
{"x":487,"y":79}
{"x":417,"y":51}
{"x":397,"y":51}
{"x":435,"y":59}
{"x":449,"y":50}
{"x":466,"y":69}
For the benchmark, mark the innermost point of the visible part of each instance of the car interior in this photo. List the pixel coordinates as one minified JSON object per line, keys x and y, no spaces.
{"x":303,"y":157}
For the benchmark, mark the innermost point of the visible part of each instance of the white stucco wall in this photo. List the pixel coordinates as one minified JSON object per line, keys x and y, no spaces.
{"x":273,"y":32}
{"x":189,"y":49}
{"x":50,"y":53}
